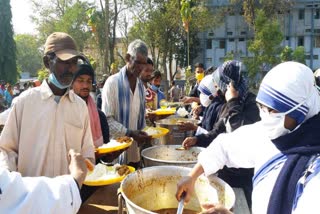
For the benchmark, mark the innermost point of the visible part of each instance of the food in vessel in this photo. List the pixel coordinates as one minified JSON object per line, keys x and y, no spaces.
{"x":122,"y":170}
{"x":124,"y":139}
{"x":103,"y":172}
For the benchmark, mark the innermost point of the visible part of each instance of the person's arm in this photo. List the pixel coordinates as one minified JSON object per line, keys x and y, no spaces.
{"x":110,"y":108}
{"x":9,"y":140}
{"x":42,"y":194}
{"x":204,"y":140}
{"x":224,"y":150}
{"x":242,"y":114}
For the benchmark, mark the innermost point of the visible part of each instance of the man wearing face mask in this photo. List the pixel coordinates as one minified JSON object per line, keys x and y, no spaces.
{"x":47,"y":121}
{"x":123,"y":102}
{"x":283,"y":147}
{"x":239,"y":109}
{"x":194,"y":93}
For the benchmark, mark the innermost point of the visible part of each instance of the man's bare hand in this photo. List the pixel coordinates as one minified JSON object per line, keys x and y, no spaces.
{"x":78,"y":168}
{"x":215,"y":209}
{"x":187,"y":126}
{"x":189,"y":141}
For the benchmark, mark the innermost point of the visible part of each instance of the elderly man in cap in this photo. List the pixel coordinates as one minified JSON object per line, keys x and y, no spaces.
{"x":123,"y":101}
{"x":47,"y":121}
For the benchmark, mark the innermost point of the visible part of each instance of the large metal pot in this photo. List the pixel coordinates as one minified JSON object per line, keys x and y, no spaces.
{"x":175,"y":136}
{"x":169,"y":155}
{"x":152,"y":189}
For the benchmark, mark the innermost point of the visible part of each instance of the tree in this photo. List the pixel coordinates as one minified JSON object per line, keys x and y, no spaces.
{"x":160,"y":26}
{"x":28,"y":54}
{"x":286,"y":54}
{"x":8,"y":66}
{"x":298,"y":55}
{"x":265,"y":46}
{"x":271,"y":8}
{"x":62,"y":15}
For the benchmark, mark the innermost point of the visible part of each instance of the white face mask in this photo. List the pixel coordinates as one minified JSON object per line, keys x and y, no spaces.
{"x":205,"y":100}
{"x":273,"y":123}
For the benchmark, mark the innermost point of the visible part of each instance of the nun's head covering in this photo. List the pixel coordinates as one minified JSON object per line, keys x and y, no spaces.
{"x":231,"y":71}
{"x":288,"y":85}
{"x":207,"y":87}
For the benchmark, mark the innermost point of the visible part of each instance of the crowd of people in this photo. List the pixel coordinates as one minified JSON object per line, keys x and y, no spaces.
{"x":264,"y":143}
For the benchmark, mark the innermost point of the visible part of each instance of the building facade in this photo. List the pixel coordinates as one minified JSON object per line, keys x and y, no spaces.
{"x":300,"y":26}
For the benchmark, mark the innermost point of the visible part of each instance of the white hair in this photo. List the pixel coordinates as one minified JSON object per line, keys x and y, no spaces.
{"x":138,"y":46}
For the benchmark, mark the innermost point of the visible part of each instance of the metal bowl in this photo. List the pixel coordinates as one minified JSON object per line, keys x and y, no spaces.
{"x":175,"y":135}
{"x":151,"y":189}
{"x":169,"y":155}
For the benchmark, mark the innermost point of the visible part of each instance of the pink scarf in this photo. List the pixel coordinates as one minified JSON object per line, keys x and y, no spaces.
{"x":95,"y":123}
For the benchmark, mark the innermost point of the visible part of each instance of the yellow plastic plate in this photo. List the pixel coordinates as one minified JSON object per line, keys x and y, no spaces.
{"x":159,"y":131}
{"x":116,"y":146}
{"x":166,"y":111}
{"x":109,"y":181}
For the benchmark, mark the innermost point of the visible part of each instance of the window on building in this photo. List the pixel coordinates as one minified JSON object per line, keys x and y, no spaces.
{"x":210,"y":34}
{"x":315,"y":56}
{"x":287,"y":38}
{"x":317,"y":14}
{"x":231,"y":40}
{"x":300,"y":41}
{"x":317,"y":41}
{"x":241,"y":39}
{"x":243,"y":33}
{"x":301,"y":14}
{"x":222,"y":44}
{"x":308,"y":30}
{"x":209,"y":43}
{"x":316,"y":30}
{"x":229,"y":33}
{"x":208,"y":60}
{"x":308,"y":57}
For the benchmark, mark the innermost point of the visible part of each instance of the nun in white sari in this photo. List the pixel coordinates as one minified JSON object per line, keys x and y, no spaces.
{"x":283,"y":147}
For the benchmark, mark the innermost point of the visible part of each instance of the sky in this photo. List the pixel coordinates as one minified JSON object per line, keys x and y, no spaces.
{"x":21,"y":10}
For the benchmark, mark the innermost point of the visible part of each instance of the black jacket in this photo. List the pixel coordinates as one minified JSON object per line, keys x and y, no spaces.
{"x":211,"y":112}
{"x":104,"y":126}
{"x":236,"y":113}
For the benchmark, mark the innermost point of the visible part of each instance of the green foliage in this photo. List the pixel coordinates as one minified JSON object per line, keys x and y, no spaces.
{"x":229,"y":56}
{"x":74,"y":22}
{"x":271,"y":8}
{"x":298,"y":55}
{"x":28,"y":54}
{"x":43,"y":74}
{"x":8,"y":66}
{"x":266,"y":45}
{"x":286,"y":54}
{"x":62,"y":15}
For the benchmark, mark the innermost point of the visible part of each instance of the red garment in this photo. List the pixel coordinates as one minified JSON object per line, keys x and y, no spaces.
{"x":95,"y":123}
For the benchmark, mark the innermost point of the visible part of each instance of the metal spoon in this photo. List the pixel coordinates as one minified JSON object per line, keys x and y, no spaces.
{"x":181,"y":203}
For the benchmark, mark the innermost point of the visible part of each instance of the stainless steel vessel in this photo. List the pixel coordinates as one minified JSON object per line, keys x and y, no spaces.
{"x":169,"y":155}
{"x":153,"y":188}
{"x":175,"y":136}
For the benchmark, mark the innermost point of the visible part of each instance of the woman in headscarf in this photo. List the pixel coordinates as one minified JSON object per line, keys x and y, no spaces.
{"x":210,"y":98}
{"x":239,"y":109}
{"x":283,"y":147}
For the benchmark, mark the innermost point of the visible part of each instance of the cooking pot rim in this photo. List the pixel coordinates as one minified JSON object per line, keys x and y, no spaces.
{"x":167,"y":161}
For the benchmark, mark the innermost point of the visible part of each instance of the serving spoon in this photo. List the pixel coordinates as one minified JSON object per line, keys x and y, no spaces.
{"x":181,"y":203}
